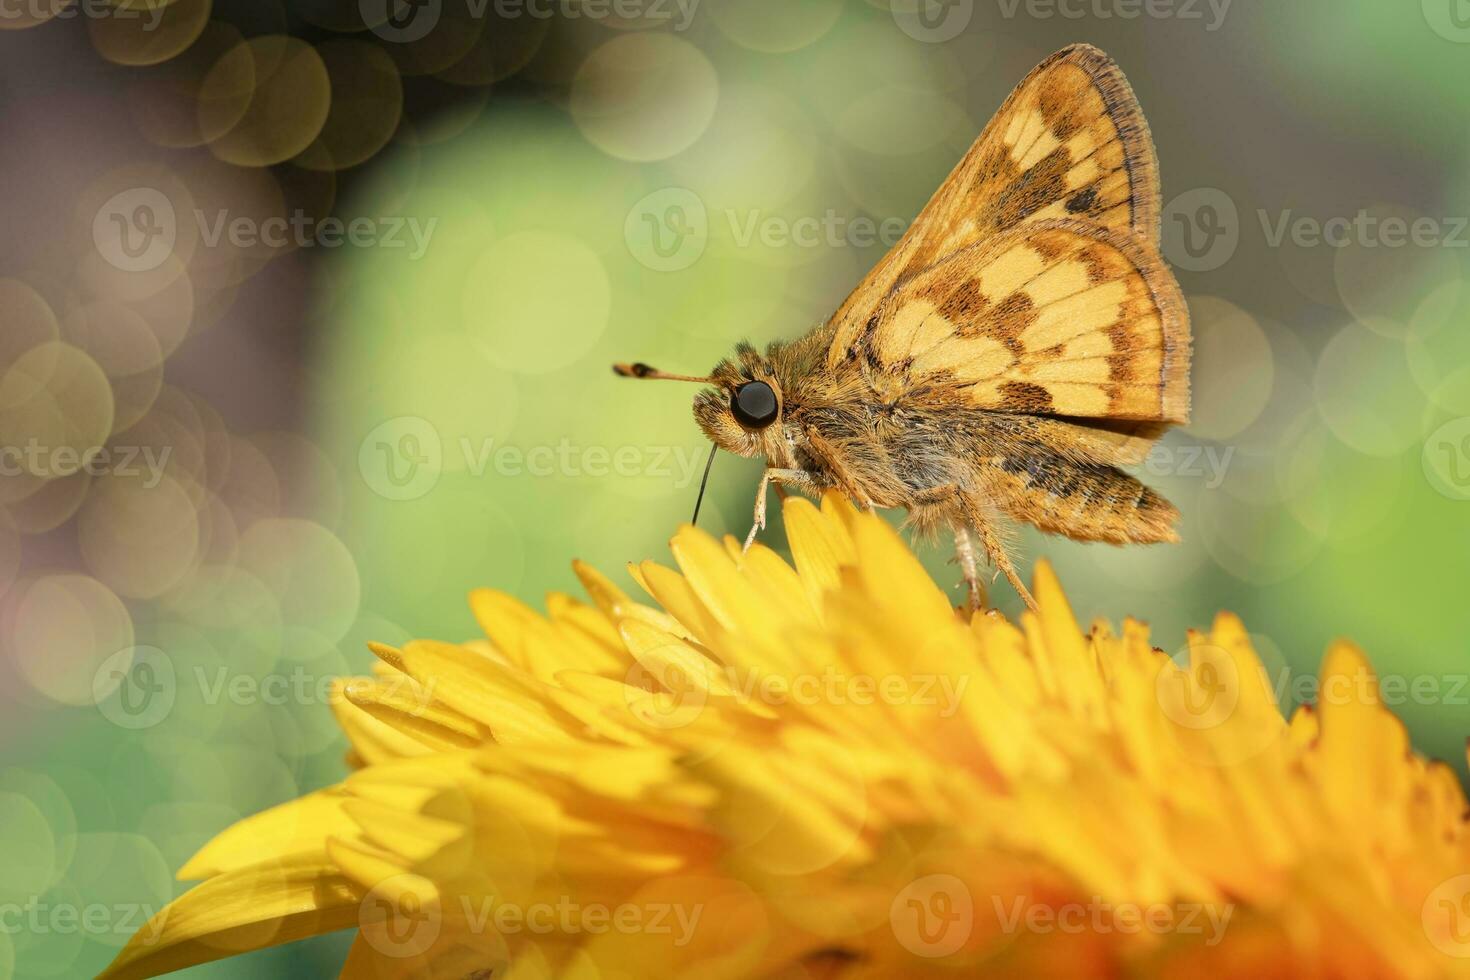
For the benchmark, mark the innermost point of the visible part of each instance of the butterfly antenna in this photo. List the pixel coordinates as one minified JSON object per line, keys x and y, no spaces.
{"x":640,"y":370}
{"x":704,"y":482}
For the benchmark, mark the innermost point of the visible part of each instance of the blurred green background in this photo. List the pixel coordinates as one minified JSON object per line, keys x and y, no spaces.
{"x":334,"y":443}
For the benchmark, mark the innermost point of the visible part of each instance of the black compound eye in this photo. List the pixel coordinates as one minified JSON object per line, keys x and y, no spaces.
{"x":754,"y":405}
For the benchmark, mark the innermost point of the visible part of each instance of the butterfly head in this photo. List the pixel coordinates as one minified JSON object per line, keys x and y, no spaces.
{"x":741,"y":410}
{"x":741,"y":413}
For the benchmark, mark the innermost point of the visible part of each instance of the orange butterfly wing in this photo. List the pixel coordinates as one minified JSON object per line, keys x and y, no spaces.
{"x":1031,"y":281}
{"x":1053,"y":317}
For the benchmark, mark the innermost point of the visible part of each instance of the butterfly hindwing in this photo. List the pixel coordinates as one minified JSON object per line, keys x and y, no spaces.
{"x":1069,"y":142}
{"x":1054,"y":317}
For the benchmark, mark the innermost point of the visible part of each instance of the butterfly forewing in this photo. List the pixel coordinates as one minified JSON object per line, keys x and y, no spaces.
{"x":1070,"y":141}
{"x":1054,"y":317}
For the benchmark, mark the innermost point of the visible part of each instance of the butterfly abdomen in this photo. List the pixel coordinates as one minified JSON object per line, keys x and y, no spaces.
{"x":1084,"y":501}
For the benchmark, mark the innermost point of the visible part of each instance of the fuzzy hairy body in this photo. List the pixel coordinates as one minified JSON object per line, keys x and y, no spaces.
{"x":929,"y":452}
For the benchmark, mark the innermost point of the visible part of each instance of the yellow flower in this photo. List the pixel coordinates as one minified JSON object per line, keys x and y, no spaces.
{"x":827,"y":771}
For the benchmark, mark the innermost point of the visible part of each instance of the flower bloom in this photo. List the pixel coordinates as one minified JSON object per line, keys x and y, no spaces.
{"x":827,"y":771}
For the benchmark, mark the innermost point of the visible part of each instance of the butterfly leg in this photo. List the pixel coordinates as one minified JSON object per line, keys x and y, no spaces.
{"x":968,"y":515}
{"x":996,"y":549}
{"x":779,"y":476}
{"x":964,"y":549}
{"x":842,"y":476}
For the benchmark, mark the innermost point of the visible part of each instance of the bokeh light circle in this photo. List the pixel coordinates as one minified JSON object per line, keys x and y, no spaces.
{"x":119,"y":339}
{"x":30,"y":849}
{"x":645,"y":96}
{"x":1439,"y":347}
{"x":1233,"y":369}
{"x":760,"y":151}
{"x":286,"y":93}
{"x":122,"y":873}
{"x":148,"y":33}
{"x":1336,"y":491}
{"x":139,"y":533}
{"x":62,"y":628}
{"x":29,"y":321}
{"x":309,"y":571}
{"x":774,"y":26}
{"x":536,"y":301}
{"x":164,"y":102}
{"x":1366,"y":393}
{"x":51,"y":504}
{"x":366,"y":105}
{"x":1390,"y":257}
{"x":1256,"y":543}
{"x":56,"y":409}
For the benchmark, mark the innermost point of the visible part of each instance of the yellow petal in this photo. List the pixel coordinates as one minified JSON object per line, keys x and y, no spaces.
{"x":296,"y":830}
{"x":410,"y":710}
{"x":480,"y":689}
{"x":237,"y":912}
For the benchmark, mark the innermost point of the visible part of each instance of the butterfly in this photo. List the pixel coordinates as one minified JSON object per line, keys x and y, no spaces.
{"x":1021,"y":343}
